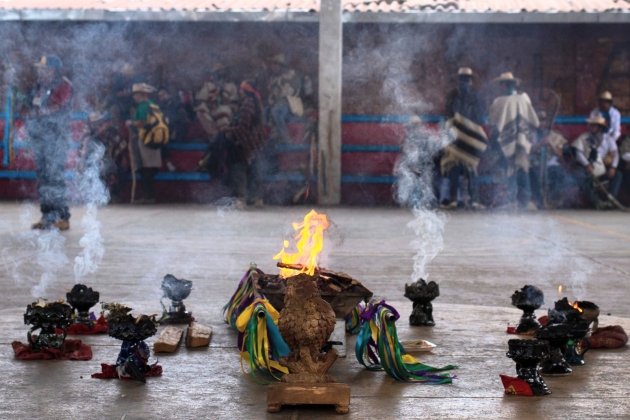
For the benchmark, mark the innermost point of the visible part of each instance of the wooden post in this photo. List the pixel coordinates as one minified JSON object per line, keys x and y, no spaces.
{"x":329,"y":130}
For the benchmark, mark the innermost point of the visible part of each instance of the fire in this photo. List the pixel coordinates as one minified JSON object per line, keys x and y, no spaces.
{"x":560,"y":289}
{"x":576,"y":306}
{"x":309,"y":243}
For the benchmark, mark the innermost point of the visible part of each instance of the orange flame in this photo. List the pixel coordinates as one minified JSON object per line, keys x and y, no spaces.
{"x":560,"y":289}
{"x":309,"y":243}
{"x":576,"y":306}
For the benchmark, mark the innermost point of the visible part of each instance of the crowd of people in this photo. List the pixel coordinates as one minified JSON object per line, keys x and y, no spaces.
{"x":536,"y":161}
{"x":242,"y":123}
{"x":240,"y":127}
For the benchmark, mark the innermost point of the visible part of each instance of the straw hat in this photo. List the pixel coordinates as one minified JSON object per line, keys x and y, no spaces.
{"x":49,"y":62}
{"x":97,"y":116}
{"x":142,"y":88}
{"x":413,"y":120}
{"x":606,"y":96}
{"x":598,"y":120}
{"x":278,"y":59}
{"x":464,"y":71}
{"x":507,"y":77}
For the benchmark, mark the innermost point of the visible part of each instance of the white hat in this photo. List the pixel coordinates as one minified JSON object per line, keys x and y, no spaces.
{"x":464,"y":71}
{"x":507,"y":77}
{"x":597,"y":119}
{"x":142,"y":88}
{"x":606,"y":96}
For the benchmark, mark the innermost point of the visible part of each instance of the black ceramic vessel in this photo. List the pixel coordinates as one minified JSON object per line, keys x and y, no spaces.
{"x":82,"y":298}
{"x":176,"y":290}
{"x":527,"y":354}
{"x":577,"y":345}
{"x":528,"y":299}
{"x":129,"y":328}
{"x":47,"y":317}
{"x":558,"y":335}
{"x":421,"y":294}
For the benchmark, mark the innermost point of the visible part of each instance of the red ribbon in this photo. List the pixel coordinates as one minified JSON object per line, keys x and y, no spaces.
{"x":247,"y":87}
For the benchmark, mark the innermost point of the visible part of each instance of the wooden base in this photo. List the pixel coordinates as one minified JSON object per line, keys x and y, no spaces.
{"x":279,"y":394}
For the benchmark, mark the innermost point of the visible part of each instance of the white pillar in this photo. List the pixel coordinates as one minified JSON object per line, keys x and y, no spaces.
{"x":329,"y":130}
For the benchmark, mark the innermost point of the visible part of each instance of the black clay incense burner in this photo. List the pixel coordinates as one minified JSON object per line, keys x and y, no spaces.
{"x":421,"y":294}
{"x":133,"y":358}
{"x":47,"y":317}
{"x":528,"y":354}
{"x":558,"y":334}
{"x":82,"y":298}
{"x":528,"y":299}
{"x":176,"y":290}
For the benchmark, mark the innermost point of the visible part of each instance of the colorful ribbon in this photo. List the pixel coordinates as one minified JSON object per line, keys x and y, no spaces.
{"x":378,"y":348}
{"x":260,"y":342}
{"x":242,"y":298}
{"x":354,"y":322}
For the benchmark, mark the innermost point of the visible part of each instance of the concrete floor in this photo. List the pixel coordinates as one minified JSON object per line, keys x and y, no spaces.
{"x":486,"y":256}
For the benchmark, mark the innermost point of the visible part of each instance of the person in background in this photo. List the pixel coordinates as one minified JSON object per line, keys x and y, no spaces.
{"x":513,"y":122}
{"x":608,"y":149}
{"x":464,"y":110}
{"x":611,"y":114}
{"x":149,"y":160}
{"x":547,"y":175}
{"x":211,"y":114}
{"x":120,"y":103}
{"x":590,"y":162}
{"x":177,"y":116}
{"x":284,"y":87}
{"x":47,"y":115}
{"x":114,"y":165}
{"x":246,"y":137}
{"x":624,"y":161}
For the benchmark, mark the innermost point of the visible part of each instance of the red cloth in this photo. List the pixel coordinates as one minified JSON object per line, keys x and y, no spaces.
{"x":72,"y":350}
{"x":610,"y":337}
{"x":109,"y":372}
{"x":61,"y":95}
{"x":516,"y":386}
{"x":100,"y":326}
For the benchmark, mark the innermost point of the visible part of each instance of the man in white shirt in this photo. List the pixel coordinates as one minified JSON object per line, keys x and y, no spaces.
{"x":611,"y":114}
{"x":587,"y":154}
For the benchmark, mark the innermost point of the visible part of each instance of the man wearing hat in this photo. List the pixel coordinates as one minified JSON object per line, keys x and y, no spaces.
{"x":148,"y":159}
{"x":513,"y":122}
{"x":464,"y":110}
{"x":586,"y":149}
{"x":47,"y":119}
{"x":608,"y":149}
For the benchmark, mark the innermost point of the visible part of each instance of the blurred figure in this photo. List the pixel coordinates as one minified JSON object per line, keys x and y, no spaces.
{"x":247,"y":137}
{"x":47,"y":117}
{"x":114,"y":166}
{"x":285,"y":87}
{"x":547,"y":175}
{"x":177,"y":115}
{"x":591,"y":164}
{"x":611,"y":114}
{"x":148,"y":159}
{"x":513,"y":122}
{"x":120,"y":103}
{"x":210,"y":113}
{"x":624,"y":163}
{"x":464,"y":110}
{"x":608,"y":150}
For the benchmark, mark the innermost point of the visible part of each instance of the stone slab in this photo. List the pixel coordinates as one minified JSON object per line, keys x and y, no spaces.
{"x":168,"y":340}
{"x":279,"y":394}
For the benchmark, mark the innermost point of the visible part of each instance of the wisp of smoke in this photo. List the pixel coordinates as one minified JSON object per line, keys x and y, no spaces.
{"x":414,"y":188}
{"x":51,"y":257}
{"x":93,"y":190}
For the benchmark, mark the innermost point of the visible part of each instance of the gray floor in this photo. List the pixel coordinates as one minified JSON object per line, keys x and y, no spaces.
{"x":486,"y":256}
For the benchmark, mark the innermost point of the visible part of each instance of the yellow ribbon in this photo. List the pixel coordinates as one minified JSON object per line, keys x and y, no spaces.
{"x":244,"y":317}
